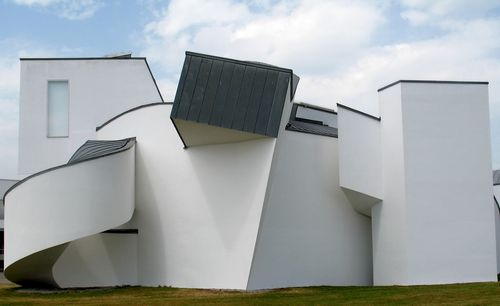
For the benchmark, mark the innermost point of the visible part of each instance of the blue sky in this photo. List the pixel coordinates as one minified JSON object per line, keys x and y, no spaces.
{"x":343,"y":50}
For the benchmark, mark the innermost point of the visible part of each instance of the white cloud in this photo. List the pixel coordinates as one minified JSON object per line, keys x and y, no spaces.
{"x":468,"y":54}
{"x":311,"y":35}
{"x":431,"y":12}
{"x":68,"y":9}
{"x":35,"y":2}
{"x":333,"y":45}
{"x":11,"y":50}
{"x":9,"y":112}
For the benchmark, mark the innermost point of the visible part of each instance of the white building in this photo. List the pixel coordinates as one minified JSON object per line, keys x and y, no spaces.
{"x":233,"y":185}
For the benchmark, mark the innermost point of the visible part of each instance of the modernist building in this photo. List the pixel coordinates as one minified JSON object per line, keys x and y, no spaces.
{"x":234,"y":185}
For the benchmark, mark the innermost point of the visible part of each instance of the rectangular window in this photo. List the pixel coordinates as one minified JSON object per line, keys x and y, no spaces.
{"x":58,"y":109}
{"x":313,"y":120}
{"x":316,"y":116}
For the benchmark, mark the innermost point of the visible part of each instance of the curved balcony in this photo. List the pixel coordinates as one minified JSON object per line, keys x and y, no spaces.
{"x":92,"y":193}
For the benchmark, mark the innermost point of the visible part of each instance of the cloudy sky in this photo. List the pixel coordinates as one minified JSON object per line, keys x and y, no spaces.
{"x":342,"y":50}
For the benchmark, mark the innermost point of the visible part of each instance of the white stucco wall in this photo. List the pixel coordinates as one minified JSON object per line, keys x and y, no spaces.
{"x":197,"y":209}
{"x":436,"y":224}
{"x":309,"y":234}
{"x":106,"y":259}
{"x":98,"y":90}
{"x":360,"y":160}
{"x":62,"y":205}
{"x":390,"y":261}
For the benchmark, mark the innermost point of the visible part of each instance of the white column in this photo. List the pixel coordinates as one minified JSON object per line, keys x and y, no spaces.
{"x":436,"y":223}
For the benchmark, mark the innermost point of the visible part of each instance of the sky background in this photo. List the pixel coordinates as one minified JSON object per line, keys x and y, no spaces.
{"x":342,"y":50}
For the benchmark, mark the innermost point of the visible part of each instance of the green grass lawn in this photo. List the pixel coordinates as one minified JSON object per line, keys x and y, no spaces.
{"x":461,"y":294}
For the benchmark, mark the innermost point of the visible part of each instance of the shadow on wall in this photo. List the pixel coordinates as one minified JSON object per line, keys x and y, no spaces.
{"x":233,"y":179}
{"x":152,"y":269}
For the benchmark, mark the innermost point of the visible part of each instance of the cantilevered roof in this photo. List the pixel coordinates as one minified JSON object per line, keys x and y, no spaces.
{"x":239,"y":95}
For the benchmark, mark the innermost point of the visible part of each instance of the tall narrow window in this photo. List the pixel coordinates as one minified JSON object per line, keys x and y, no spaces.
{"x":58,"y":109}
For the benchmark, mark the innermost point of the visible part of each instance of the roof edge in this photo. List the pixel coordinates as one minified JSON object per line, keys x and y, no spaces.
{"x":433,"y":82}
{"x":129,"y":111}
{"x":79,"y":58}
{"x":130,"y":143}
{"x":97,"y":58}
{"x":240,"y":62}
{"x":294,"y":79}
{"x":358,"y":112}
{"x":316,"y":107}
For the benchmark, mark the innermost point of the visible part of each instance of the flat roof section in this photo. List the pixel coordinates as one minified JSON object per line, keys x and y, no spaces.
{"x":431,"y":82}
{"x":125,"y":57}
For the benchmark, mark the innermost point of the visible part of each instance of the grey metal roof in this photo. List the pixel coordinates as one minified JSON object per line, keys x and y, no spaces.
{"x":91,"y":149}
{"x":240,"y":95}
{"x":96,"y":148}
{"x":310,"y":125}
{"x":305,"y":127}
{"x":496,"y":177}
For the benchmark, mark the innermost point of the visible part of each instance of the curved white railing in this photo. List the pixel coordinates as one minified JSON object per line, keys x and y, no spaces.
{"x":94,"y":192}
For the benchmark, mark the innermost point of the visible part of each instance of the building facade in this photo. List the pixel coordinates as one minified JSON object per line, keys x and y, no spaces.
{"x":235,"y":185}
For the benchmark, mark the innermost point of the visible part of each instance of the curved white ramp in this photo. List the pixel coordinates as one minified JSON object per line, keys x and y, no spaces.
{"x":92,"y":193}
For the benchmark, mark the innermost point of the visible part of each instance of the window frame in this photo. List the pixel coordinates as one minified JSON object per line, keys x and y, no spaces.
{"x":47,"y":108}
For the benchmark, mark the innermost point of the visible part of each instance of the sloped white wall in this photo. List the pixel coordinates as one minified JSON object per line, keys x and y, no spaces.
{"x":360,"y":159}
{"x":99,"y":260}
{"x":197,"y":209}
{"x":309,"y":233}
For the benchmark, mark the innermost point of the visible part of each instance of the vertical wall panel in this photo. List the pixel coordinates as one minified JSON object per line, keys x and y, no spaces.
{"x":210,"y":92}
{"x":189,"y":85}
{"x":220,"y":98}
{"x":199,"y":90}
{"x":232,"y":96}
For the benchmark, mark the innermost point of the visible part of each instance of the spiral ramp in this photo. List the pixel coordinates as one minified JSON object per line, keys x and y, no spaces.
{"x":92,"y":193}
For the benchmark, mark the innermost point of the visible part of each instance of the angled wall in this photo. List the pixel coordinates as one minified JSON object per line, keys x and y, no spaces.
{"x":360,"y":158}
{"x":197,"y":209}
{"x":309,"y":233}
{"x":98,"y":88}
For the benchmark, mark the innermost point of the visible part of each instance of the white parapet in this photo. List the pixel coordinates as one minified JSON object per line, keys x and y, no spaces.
{"x":436,"y":223}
